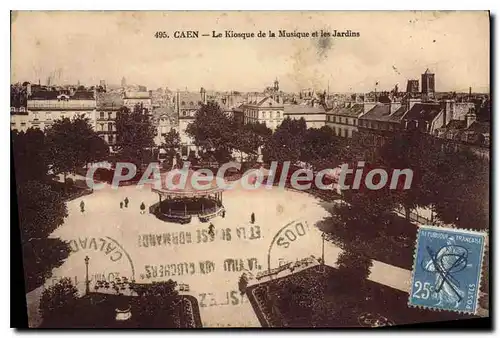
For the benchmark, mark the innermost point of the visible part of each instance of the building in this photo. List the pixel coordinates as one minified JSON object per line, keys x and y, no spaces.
{"x":186,"y":104}
{"x":382,"y":119}
{"x":412,"y":86}
{"x":141,"y":98}
{"x":264,"y":110}
{"x":343,"y":119}
{"x":165,"y":119}
{"x":314,"y":114}
{"x":44,"y":107}
{"x":428,"y":85}
{"x":108,"y":105}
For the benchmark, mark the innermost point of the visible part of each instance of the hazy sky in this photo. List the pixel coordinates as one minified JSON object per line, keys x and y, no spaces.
{"x":392,"y":47}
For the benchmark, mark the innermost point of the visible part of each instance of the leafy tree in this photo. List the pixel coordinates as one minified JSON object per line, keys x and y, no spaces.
{"x":354,"y":266}
{"x":41,"y":210}
{"x":212,"y":131}
{"x":321,"y":148}
{"x":29,"y":155}
{"x":135,"y":133}
{"x":40,"y":257}
{"x":463,"y":190}
{"x":171,"y":143}
{"x":158,"y":304}
{"x":71,"y":144}
{"x":418,"y":152}
{"x":287,"y":141}
{"x":58,"y":303}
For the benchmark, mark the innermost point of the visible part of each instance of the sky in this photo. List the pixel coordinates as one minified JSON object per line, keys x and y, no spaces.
{"x":392,"y":47}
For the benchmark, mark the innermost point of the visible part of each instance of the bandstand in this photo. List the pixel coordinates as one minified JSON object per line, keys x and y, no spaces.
{"x":179,"y":203}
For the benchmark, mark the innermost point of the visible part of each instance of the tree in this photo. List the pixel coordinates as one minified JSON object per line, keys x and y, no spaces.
{"x":58,"y":303}
{"x":463,"y":190}
{"x":287,"y":142}
{"x":212,"y":131}
{"x":354,"y":266}
{"x":321,"y":148}
{"x":158,"y":303}
{"x":71,"y":144}
{"x":41,"y":211}
{"x":419,"y":152}
{"x":135,"y":133}
{"x":171,"y":144}
{"x":29,"y":155}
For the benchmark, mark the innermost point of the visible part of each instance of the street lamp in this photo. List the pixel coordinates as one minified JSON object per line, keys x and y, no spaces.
{"x":323,"y":248}
{"x":87,"y":289}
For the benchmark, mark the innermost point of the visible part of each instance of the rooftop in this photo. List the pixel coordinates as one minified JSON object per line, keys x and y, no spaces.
{"x":137,"y":95}
{"x":423,"y":112}
{"x":109,"y":100}
{"x":353,"y":110}
{"x":304,"y":109}
{"x":380,"y":112}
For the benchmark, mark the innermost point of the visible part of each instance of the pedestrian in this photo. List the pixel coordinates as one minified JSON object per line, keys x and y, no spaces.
{"x":82,"y":206}
{"x":252,"y":218}
{"x":211,"y":228}
{"x":126,"y":202}
{"x":223,"y":213}
{"x":143,"y":207}
{"x":121,"y":204}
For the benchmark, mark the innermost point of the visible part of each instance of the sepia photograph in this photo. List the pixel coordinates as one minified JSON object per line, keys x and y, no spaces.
{"x":251,"y":169}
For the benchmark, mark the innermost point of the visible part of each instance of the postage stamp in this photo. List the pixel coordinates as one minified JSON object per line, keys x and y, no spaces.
{"x":447,"y":269}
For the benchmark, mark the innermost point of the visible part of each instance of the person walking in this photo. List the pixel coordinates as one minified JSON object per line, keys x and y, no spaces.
{"x":223,"y":213}
{"x":121,"y":204}
{"x":252,"y":218}
{"x":82,"y":206}
{"x":143,"y":207}
{"x":126,"y":202}
{"x":211,"y":230}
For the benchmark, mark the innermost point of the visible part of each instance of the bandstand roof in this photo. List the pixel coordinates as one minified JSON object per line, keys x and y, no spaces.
{"x":173,"y":185}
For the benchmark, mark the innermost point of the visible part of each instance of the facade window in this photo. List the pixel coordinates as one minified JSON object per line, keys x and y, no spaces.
{"x":270,"y":114}
{"x":101,"y":115}
{"x":110,"y":114}
{"x":23,"y":124}
{"x":278,"y":114}
{"x":101,"y":125}
{"x":183,"y":103}
{"x":110,"y":126}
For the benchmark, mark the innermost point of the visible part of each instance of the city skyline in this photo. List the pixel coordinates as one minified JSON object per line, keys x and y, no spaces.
{"x":390,"y":50}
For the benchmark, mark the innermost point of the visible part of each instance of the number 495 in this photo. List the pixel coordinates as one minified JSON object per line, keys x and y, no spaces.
{"x":422,"y":291}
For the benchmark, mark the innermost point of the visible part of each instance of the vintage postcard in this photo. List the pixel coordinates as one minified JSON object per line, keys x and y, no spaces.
{"x":251,"y":169}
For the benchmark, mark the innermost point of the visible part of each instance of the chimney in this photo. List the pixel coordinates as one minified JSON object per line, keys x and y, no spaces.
{"x":203,"y":95}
